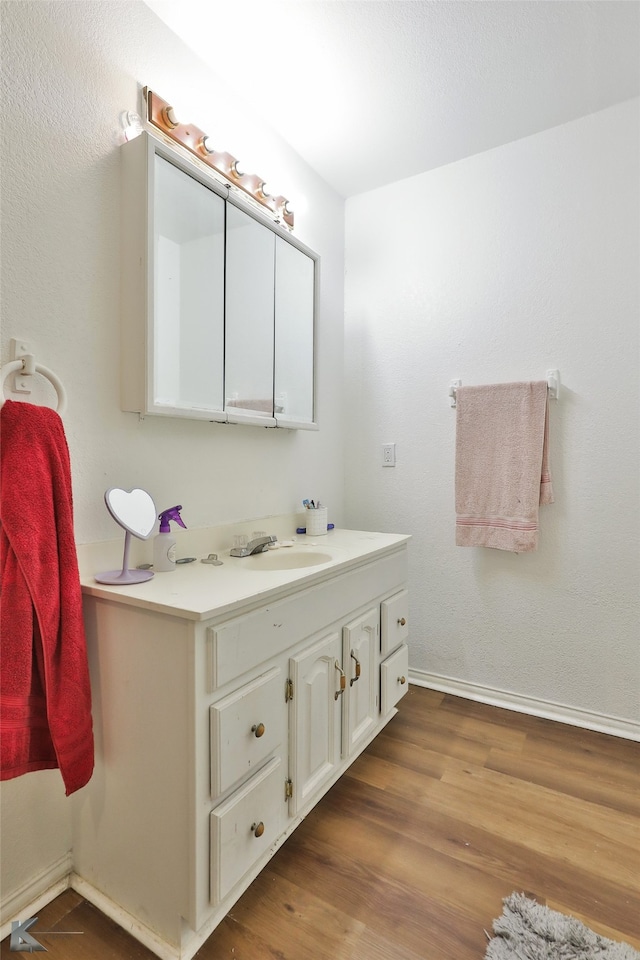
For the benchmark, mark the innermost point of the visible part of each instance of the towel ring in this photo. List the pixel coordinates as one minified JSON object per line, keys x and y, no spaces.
{"x":15,"y":366}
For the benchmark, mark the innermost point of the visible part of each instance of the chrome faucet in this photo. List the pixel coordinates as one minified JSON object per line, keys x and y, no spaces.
{"x":259,"y":545}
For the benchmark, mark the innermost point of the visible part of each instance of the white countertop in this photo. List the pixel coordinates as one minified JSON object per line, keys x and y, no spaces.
{"x":199,"y":591}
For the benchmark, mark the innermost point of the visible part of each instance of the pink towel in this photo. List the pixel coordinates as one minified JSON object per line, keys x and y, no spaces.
{"x":502,"y":464}
{"x":45,"y":694}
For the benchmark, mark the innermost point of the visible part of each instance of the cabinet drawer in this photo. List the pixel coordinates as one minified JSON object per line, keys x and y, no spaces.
{"x":394,"y":679}
{"x":394,"y":622}
{"x":244,"y":826}
{"x":246,"y":727}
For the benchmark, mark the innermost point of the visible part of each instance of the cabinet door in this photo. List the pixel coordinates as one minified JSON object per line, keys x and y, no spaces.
{"x":186,"y":325}
{"x":360,"y":664}
{"x":249,"y":319}
{"x":315,"y":722}
{"x":295,"y":297}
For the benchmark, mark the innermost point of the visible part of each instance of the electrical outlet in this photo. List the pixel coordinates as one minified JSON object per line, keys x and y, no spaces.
{"x":388,"y":454}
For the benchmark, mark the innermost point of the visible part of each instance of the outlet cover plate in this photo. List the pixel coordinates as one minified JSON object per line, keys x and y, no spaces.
{"x":388,"y":454}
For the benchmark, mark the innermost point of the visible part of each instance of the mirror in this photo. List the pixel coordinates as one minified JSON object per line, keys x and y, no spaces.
{"x":249,"y":317}
{"x":135,"y":511}
{"x":294,"y":334}
{"x":188,"y":291}
{"x":132,"y":509}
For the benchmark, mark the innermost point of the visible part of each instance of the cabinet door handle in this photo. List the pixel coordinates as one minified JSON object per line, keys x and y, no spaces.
{"x":343,"y":680}
{"x":402,"y":680}
{"x":258,"y":729}
{"x":402,"y":621}
{"x":358,"y":669}
{"x":257,"y":829}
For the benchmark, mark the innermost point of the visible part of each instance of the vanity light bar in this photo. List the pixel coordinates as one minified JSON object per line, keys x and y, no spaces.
{"x":162,"y":115}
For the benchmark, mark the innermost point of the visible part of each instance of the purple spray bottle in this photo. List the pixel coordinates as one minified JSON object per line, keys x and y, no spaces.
{"x":164,"y":544}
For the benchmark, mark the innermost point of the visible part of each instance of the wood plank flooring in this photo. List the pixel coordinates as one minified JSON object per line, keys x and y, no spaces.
{"x":408,"y":857}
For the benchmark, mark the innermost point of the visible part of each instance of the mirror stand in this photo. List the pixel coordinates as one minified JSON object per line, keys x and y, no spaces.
{"x":125,"y":575}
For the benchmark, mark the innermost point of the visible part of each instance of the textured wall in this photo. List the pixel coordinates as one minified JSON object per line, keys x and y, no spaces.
{"x":68,"y":71}
{"x":497,"y":268}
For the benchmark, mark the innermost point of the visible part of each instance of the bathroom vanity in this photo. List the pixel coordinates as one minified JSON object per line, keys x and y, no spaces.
{"x":227,"y":700}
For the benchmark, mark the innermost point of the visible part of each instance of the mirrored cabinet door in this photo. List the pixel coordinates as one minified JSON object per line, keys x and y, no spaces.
{"x":295,"y":285}
{"x":249,"y":318}
{"x":188,"y":292}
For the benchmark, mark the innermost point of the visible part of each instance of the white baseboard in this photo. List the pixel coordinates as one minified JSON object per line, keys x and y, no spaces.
{"x":36,"y":893}
{"x":127,"y":921}
{"x":615,"y":726}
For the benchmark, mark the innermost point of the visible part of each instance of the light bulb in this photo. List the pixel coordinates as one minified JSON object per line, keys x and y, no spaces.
{"x":169,"y":116}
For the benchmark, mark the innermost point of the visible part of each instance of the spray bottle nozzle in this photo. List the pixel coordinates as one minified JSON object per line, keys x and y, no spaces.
{"x":171,"y":513}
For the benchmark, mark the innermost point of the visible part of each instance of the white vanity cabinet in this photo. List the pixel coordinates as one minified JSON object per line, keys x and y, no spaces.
{"x":216,"y":732}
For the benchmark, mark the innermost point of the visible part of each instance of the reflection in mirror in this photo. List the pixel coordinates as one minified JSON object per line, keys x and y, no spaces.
{"x":135,"y":511}
{"x":294,"y":334}
{"x":249,"y":316}
{"x":188,"y":291}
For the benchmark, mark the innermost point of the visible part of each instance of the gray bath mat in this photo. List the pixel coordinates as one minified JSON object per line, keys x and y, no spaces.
{"x":529,"y":931}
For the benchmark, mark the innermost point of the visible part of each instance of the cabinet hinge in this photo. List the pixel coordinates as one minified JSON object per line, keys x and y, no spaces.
{"x":288,"y":788}
{"x":288,"y":691}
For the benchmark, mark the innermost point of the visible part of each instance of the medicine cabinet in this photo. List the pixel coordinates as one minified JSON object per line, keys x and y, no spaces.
{"x":218,"y":302}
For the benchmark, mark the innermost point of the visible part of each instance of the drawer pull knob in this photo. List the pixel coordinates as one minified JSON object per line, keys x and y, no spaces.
{"x":257,"y":829}
{"x":402,"y":680}
{"x":258,"y":729}
{"x":343,"y":680}
{"x":402,"y":621}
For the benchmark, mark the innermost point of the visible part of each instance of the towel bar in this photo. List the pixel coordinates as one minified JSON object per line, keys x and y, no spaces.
{"x":552,"y":378}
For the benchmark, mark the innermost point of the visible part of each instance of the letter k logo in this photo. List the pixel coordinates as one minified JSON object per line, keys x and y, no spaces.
{"x":21,"y":940}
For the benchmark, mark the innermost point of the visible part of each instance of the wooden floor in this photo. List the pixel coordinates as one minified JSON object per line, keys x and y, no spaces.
{"x":452,"y":808}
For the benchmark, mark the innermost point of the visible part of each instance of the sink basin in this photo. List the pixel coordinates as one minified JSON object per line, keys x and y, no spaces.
{"x":284,"y":559}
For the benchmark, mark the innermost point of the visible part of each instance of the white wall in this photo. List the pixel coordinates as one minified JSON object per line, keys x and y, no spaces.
{"x":68,"y":72}
{"x":497,"y":268}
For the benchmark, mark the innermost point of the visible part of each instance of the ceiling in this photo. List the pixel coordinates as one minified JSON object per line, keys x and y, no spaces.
{"x":372,"y":91}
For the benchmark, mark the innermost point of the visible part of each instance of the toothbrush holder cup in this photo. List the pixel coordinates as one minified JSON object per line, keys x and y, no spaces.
{"x":316,"y":521}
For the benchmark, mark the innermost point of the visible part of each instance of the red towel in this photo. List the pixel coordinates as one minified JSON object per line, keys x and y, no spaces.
{"x":45,"y":694}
